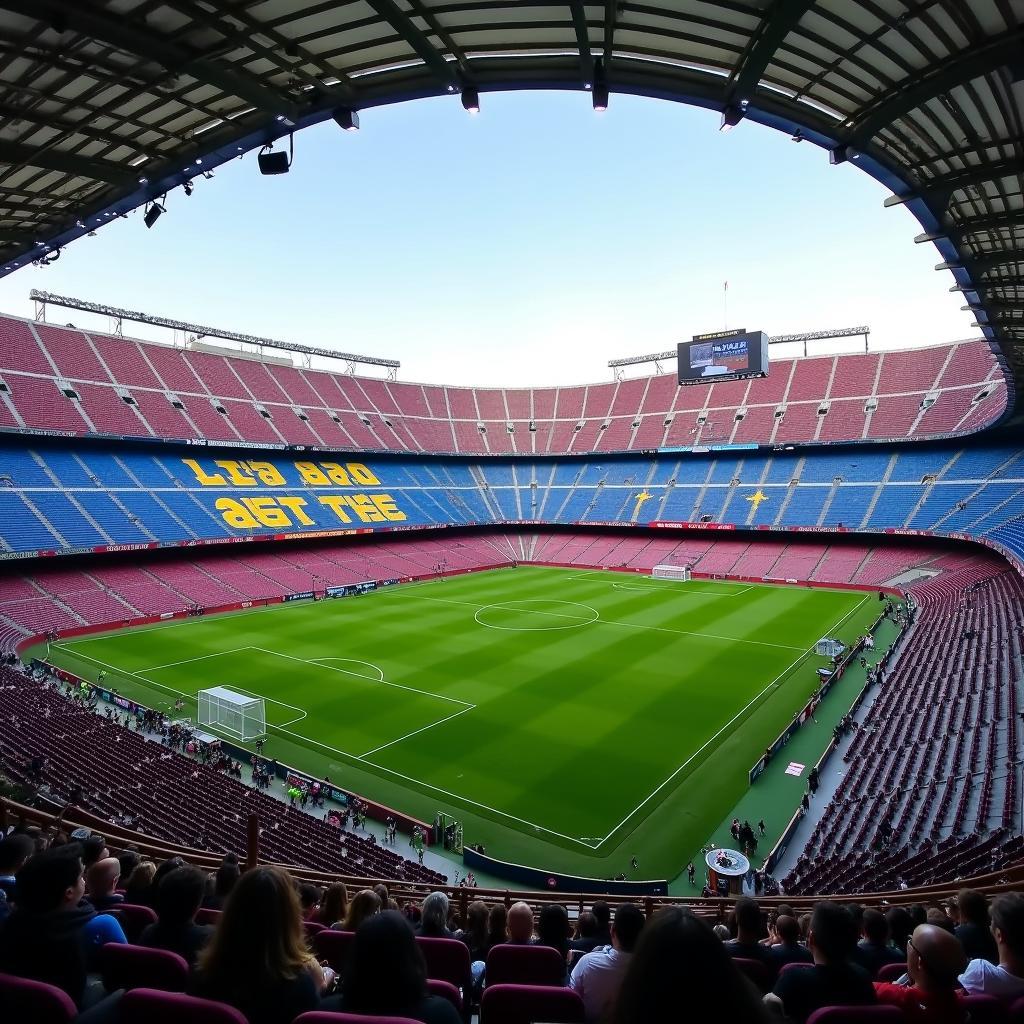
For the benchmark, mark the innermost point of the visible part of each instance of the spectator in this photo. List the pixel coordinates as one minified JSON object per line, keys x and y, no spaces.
{"x":938,"y":917}
{"x":364,"y":904}
{"x":474,"y":935}
{"x":678,"y":959}
{"x":333,"y":905}
{"x":934,"y":959}
{"x":138,"y":888}
{"x":974,"y":930}
{"x":101,"y":881}
{"x":94,"y":848}
{"x":553,"y":929}
{"x":520,"y":924}
{"x":226,"y":877}
{"x":901,"y":926}
{"x":386,"y":974}
{"x":15,"y":850}
{"x":789,"y":949}
{"x":833,"y":980}
{"x":585,"y":939}
{"x":257,"y":960}
{"x":166,"y":867}
{"x":874,"y":951}
{"x":598,"y":974}
{"x":497,"y":925}
{"x":722,"y":932}
{"x":129,"y":859}
{"x":747,"y":944}
{"x":309,"y":897}
{"x":383,"y":895}
{"x":1004,"y":979}
{"x":433,"y":917}
{"x":177,"y":902}
{"x":603,"y":913}
{"x":50,"y":936}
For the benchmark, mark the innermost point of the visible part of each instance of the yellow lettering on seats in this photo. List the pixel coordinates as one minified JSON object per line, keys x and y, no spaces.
{"x":361,"y":475}
{"x":336,"y":474}
{"x":267,"y":511}
{"x":335,"y":502}
{"x":234,"y":472}
{"x":268,"y":473}
{"x":295,"y":506}
{"x":364,"y":507}
{"x":387,"y":507}
{"x":312,"y":474}
{"x":235,"y":514}
{"x":204,"y":478}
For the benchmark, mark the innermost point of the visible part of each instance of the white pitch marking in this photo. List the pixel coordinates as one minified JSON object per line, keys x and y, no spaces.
{"x":354,"y":661}
{"x":579,"y":620}
{"x":424,"y":728}
{"x":187,"y":661}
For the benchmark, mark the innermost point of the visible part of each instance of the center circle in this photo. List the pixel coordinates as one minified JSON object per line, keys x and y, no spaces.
{"x":536,"y":616}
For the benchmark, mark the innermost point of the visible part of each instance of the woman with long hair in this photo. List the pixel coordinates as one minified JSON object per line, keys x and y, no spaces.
{"x":680,"y":962}
{"x":257,"y":960}
{"x":434,"y":917}
{"x":333,"y":905}
{"x":386,"y":976}
{"x":474,"y":935}
{"x":553,"y":928}
{"x":138,"y":888}
{"x":364,"y":904}
{"x":497,"y":926}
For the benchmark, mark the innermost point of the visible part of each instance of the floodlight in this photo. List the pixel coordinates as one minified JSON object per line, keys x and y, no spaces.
{"x":470,"y":99}
{"x":838,"y":155}
{"x":152,"y":214}
{"x":188,"y":188}
{"x":599,"y":92}
{"x":271,"y":162}
{"x":347,"y":119}
{"x":731,"y":116}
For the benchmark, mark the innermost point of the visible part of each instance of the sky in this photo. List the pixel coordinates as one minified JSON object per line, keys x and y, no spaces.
{"x":528,"y":244}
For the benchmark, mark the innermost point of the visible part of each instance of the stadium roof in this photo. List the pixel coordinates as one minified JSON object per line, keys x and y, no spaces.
{"x":108,"y":104}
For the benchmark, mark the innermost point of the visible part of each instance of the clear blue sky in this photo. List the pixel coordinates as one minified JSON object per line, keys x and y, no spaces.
{"x":526,"y":245}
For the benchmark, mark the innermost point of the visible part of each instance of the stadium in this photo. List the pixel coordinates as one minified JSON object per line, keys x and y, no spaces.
{"x":541,"y":673}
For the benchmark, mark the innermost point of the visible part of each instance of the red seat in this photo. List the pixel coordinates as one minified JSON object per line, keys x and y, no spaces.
{"x":124,"y":966}
{"x":509,"y":964}
{"x":986,"y":1010}
{"x":145,"y":1006}
{"x":793,"y":967}
{"x":523,"y":1004}
{"x":133,"y":918}
{"x":333,"y":946}
{"x":207,"y":916}
{"x":856,"y":1015}
{"x":1017,"y":1011}
{"x":446,"y":990}
{"x":755,"y":971}
{"x":312,"y":928}
{"x":891,"y":972}
{"x":27,"y":1000}
{"x":447,"y":960}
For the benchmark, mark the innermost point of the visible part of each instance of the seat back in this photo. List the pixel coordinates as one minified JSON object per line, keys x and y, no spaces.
{"x":983,"y":1009}
{"x":1017,"y":1011}
{"x":128,"y":967}
{"x":755,"y":971}
{"x":446,"y":990}
{"x":146,"y":1006}
{"x":207,"y":915}
{"x":133,"y":918}
{"x":523,"y":1004}
{"x":509,"y":964}
{"x":447,"y":960}
{"x":326,"y":1017}
{"x":27,"y":1000}
{"x":312,"y":929}
{"x":891,"y":972}
{"x":857,"y":1015}
{"x":333,"y":946}
{"x":793,"y":967}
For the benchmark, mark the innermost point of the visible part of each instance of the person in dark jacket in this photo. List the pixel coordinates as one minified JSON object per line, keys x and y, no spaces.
{"x":873,"y":951}
{"x":49,"y":937}
{"x":974,"y":930}
{"x":177,"y":902}
{"x":789,"y":949}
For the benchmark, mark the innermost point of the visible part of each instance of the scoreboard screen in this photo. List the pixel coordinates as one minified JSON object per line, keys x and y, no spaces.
{"x":727,"y":355}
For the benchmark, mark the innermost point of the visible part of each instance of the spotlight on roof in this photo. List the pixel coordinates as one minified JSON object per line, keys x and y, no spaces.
{"x":599,"y":90}
{"x":188,"y":186}
{"x":346,"y":119}
{"x":731,"y":116}
{"x":838,"y":155}
{"x":275,"y":163}
{"x":152,"y":214}
{"x":470,"y":99}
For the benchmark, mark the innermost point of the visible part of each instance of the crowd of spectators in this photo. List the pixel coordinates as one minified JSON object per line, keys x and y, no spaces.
{"x":61,"y":899}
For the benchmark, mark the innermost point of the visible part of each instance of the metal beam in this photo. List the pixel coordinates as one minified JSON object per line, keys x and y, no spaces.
{"x":421,"y":45}
{"x":66,"y":163}
{"x":947,"y":184}
{"x":611,"y":17}
{"x":936,"y":80}
{"x":778,"y":21}
{"x":983,"y":262}
{"x":973,"y":225}
{"x":579,"y":24}
{"x":122,"y":34}
{"x":72,"y":127}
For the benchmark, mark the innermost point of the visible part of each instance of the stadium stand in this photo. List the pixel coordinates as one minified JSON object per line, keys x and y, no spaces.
{"x":83,"y":383}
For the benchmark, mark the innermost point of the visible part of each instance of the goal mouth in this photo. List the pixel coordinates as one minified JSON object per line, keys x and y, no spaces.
{"x":671,"y":572}
{"x":239,"y":715}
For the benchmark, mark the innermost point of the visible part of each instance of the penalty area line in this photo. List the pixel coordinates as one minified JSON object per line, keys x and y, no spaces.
{"x":416,"y":732}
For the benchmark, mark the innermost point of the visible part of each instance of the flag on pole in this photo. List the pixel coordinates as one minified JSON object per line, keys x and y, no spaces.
{"x":725,"y":286}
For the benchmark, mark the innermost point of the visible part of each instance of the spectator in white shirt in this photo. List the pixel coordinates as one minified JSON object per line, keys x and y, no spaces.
{"x":597,"y":975}
{"x":1005,"y":979}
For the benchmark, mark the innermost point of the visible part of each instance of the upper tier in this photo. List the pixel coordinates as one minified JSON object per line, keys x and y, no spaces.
{"x":65,"y":380}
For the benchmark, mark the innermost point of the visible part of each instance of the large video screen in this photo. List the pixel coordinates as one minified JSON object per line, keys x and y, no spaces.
{"x":728,"y":355}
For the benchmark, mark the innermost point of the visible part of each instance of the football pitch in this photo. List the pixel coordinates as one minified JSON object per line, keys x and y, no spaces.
{"x":570,"y":718}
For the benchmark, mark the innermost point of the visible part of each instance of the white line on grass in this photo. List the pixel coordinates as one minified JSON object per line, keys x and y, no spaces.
{"x":415,"y":732}
{"x":187,"y":661}
{"x":354,"y":661}
{"x":688,"y":592}
{"x":772,"y":684}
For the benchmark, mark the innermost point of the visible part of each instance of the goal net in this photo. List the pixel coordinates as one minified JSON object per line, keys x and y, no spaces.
{"x":671,"y":572}
{"x":236,"y":714}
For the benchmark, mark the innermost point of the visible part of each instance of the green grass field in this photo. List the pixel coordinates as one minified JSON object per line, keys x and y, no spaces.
{"x":571,"y":719}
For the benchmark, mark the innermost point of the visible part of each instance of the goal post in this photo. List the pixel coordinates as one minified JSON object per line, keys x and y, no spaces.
{"x":237,"y":714}
{"x":671,"y":572}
